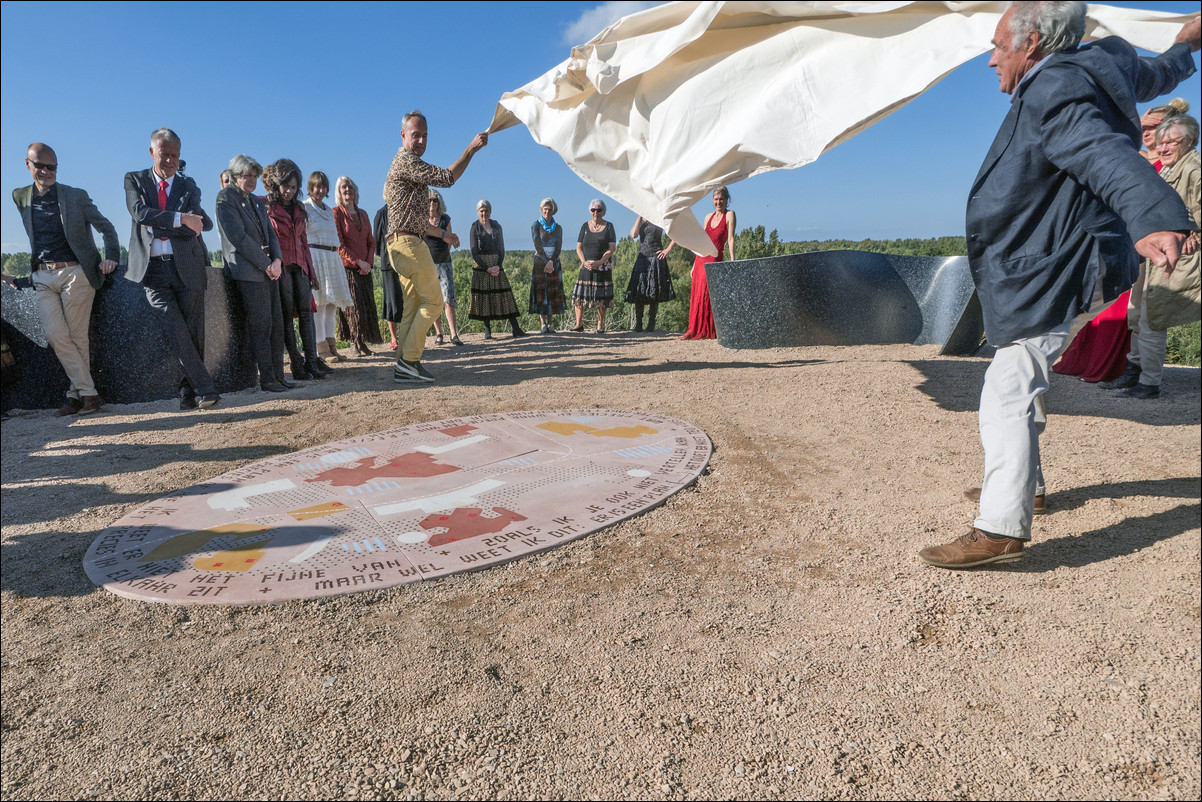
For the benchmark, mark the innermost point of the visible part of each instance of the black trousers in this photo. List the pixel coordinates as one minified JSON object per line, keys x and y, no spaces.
{"x":264,"y":327}
{"x":181,"y":310}
{"x":296,"y":298}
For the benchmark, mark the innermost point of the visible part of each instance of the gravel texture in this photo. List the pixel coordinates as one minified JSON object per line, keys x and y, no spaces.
{"x":767,"y":633}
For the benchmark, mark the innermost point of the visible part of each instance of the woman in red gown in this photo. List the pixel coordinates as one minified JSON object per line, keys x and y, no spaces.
{"x":720,"y":226}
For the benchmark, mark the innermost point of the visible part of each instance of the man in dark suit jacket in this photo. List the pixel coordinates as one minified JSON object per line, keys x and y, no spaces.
{"x":168,"y":257}
{"x":1051,"y":217}
{"x":66,"y":268}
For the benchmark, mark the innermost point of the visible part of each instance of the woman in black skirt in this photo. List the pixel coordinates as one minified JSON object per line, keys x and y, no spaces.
{"x":492,"y":297}
{"x":595,"y":285}
{"x":650,"y":282}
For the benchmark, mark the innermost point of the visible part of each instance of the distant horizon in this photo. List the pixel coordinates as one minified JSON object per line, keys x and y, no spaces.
{"x":339,"y":108}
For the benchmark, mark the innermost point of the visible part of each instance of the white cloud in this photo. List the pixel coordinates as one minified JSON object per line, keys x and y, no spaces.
{"x":598,"y":18}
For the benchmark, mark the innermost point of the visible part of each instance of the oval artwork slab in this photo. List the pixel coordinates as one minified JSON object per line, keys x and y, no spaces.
{"x":383,"y":509}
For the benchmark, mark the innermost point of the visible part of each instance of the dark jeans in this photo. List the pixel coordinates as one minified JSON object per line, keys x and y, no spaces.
{"x":181,"y":310}
{"x":296,"y":298}
{"x":264,"y":327}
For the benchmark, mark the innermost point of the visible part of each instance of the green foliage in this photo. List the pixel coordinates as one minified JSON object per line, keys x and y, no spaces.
{"x":750,"y":243}
{"x":15,"y":264}
{"x":1185,"y":345}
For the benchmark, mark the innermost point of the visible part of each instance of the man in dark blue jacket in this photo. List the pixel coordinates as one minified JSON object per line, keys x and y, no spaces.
{"x":1052,"y":217}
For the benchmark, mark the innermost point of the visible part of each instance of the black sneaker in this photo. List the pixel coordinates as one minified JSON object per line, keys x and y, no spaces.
{"x":422,"y":372}
{"x":1130,"y":378}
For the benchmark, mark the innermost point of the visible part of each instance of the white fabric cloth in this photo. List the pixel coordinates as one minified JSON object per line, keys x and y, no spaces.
{"x":1011,"y":418}
{"x":666,"y":105}
{"x":332,"y":286}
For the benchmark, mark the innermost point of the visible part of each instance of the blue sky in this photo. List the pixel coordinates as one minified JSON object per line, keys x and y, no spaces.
{"x":325,"y":84}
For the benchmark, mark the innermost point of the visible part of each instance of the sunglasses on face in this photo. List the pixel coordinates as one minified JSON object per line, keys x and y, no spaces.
{"x":50,"y":168}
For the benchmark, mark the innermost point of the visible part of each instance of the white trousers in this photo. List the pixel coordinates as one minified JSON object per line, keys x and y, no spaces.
{"x":1011,"y":418}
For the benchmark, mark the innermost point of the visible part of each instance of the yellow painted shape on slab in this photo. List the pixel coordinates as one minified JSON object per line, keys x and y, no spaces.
{"x":305,"y":513}
{"x":239,"y":558}
{"x":628,"y":432}
{"x":189,"y":542}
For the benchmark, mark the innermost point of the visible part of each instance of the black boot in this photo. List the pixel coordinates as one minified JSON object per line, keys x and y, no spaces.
{"x":638,"y":317}
{"x":1130,"y":378}
{"x":517,"y":330}
{"x":651,"y":310}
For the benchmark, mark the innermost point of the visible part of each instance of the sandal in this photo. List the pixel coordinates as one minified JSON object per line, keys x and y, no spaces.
{"x":456,"y":341}
{"x":579,"y":328}
{"x":439,"y":340}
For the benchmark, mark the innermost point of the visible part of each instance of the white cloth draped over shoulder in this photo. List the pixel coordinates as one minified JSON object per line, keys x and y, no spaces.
{"x":327,"y":265}
{"x":666,"y":105}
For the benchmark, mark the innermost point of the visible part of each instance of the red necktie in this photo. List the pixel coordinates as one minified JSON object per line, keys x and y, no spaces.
{"x":163,"y":202}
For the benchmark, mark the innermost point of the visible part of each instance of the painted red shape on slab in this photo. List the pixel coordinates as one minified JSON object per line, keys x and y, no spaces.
{"x":406,"y":466}
{"x":457,"y":431}
{"x":467,"y":522}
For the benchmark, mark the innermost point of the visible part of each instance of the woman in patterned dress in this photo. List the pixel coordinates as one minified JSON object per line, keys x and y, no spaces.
{"x":595,"y":285}
{"x":492,"y":297}
{"x":357,"y":247}
{"x":330,"y":290}
{"x":546,"y":280}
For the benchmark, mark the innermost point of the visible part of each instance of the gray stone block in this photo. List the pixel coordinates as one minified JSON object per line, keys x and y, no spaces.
{"x":845,"y":298}
{"x":131,"y":360}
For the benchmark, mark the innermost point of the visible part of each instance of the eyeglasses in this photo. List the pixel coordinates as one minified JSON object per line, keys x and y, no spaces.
{"x":1173,"y":142}
{"x":50,"y":168}
{"x":595,"y":210}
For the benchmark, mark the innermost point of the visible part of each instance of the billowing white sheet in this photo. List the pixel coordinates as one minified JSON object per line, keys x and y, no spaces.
{"x":665,"y":105}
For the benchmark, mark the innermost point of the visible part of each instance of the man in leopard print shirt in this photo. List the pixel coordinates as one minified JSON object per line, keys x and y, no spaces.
{"x":408,"y":226}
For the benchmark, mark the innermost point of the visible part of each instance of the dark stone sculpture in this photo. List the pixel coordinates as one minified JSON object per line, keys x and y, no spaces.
{"x":131,"y":360}
{"x":846,"y":298}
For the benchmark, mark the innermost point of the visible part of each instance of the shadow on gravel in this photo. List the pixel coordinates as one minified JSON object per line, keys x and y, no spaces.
{"x":955,"y":385}
{"x":1125,"y":537}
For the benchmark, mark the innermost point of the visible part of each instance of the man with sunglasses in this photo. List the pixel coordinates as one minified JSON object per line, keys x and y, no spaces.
{"x":66,"y":268}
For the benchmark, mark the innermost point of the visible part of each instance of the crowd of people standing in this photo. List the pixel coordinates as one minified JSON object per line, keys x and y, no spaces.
{"x":302,"y":266}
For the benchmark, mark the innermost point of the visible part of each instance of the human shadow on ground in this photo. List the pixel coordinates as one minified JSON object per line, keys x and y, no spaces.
{"x":955,"y":385}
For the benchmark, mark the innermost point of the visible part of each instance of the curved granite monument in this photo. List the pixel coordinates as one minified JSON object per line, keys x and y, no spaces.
{"x":131,"y":360}
{"x":846,"y":298}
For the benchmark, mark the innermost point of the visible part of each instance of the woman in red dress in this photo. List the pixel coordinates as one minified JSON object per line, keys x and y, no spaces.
{"x":720,"y":226}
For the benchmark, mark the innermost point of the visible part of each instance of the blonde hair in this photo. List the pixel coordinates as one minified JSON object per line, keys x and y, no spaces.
{"x":342,"y":179}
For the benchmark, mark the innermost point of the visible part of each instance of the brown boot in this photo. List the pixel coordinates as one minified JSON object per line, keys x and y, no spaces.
{"x":334,"y":356}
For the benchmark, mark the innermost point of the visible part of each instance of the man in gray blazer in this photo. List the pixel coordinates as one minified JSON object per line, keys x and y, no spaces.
{"x":168,"y":257}
{"x":66,"y":268}
{"x":1058,"y":210}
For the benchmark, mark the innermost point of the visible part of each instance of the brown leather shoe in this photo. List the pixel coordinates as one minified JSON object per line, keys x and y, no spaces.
{"x":69,"y":407}
{"x":91,"y":403}
{"x":973,"y":549}
{"x":974,"y":494}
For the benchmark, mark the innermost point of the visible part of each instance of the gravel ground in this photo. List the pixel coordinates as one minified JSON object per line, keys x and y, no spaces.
{"x":767,"y":633}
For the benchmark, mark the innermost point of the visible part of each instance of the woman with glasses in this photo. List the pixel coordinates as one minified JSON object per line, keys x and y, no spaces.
{"x":595,"y":284}
{"x":250,"y":253}
{"x":440,"y":252}
{"x":546,"y":279}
